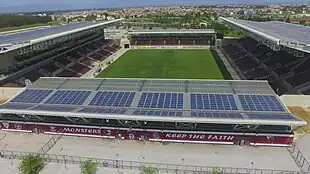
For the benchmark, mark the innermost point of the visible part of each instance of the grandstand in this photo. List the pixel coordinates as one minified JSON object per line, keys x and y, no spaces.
{"x":201,"y":111}
{"x":170,"y":37}
{"x":278,"y":52}
{"x":70,"y":50}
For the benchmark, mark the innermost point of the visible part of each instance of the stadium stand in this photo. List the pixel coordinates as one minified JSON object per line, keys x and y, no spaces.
{"x":280,"y":49}
{"x":258,"y":62}
{"x":71,"y":64}
{"x":51,"y":67}
{"x":87,"y":62}
{"x":79,"y":68}
{"x":172,"y":37}
{"x":170,"y":40}
{"x":68,"y":73}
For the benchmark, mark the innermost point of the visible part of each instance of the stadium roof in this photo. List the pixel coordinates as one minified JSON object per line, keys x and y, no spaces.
{"x":20,"y":39}
{"x":197,"y":101}
{"x":281,"y":33}
{"x":172,"y":31}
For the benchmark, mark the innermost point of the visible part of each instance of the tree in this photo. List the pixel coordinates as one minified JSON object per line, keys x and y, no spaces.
{"x":31,"y":164}
{"x":90,"y":17}
{"x":148,"y":170}
{"x":89,"y":167}
{"x":12,"y":20}
{"x":216,"y":171}
{"x":302,"y":22}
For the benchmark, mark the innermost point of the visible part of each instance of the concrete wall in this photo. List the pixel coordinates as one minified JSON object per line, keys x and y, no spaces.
{"x":296,"y":100}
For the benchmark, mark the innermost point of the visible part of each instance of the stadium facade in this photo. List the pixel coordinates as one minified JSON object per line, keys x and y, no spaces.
{"x":192,"y":111}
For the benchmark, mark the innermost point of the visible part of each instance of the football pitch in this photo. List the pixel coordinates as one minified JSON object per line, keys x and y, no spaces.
{"x":167,"y":63}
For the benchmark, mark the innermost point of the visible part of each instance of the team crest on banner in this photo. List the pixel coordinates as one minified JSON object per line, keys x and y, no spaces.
{"x":53,"y":129}
{"x":6,"y":125}
{"x":270,"y":139}
{"x":155,"y":135}
{"x":18,"y":126}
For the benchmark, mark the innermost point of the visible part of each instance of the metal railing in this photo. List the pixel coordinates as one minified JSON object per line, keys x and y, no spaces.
{"x":50,"y":143}
{"x":136,"y":165}
{"x":299,"y":158}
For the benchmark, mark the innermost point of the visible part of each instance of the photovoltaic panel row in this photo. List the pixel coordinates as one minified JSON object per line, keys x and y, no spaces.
{"x":103,"y":111}
{"x":217,"y":115}
{"x":213,"y":102}
{"x":161,"y":100}
{"x":68,"y":97}
{"x":115,"y":99}
{"x":158,"y":113}
{"x":53,"y":108}
{"x":271,"y":116}
{"x":260,"y":103}
{"x":249,"y":116}
{"x":15,"y":106}
{"x":31,"y":96}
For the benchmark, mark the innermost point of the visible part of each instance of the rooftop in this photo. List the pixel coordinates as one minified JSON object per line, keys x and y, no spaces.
{"x":200,"y":101}
{"x":281,"y":33}
{"x":20,"y":39}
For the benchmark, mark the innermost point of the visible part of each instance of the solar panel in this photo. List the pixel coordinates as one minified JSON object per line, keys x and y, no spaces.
{"x":158,"y":113}
{"x":31,"y":96}
{"x":213,"y":102}
{"x":217,"y":115}
{"x":115,"y":99}
{"x":15,"y":106}
{"x":53,"y":108}
{"x":68,"y":97}
{"x":103,"y":111}
{"x":161,"y":100}
{"x":269,"y":116}
{"x":260,"y":103}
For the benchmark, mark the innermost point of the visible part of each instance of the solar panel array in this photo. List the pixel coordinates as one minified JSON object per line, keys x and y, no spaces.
{"x":213,"y":101}
{"x":158,"y":113}
{"x":68,"y":97}
{"x":52,"y":108}
{"x":103,"y":110}
{"x":115,"y":99}
{"x":31,"y":96}
{"x":260,"y":103}
{"x":161,"y":100}
{"x":239,"y":116}
{"x":218,"y":115}
{"x":146,"y":100}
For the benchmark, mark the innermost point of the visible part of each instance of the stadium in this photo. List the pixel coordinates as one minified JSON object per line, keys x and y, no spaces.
{"x":169,"y":85}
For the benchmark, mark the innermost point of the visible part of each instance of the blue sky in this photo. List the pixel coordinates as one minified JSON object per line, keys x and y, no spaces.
{"x":47,"y":5}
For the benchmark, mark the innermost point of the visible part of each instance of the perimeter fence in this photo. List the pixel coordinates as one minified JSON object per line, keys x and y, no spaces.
{"x":50,"y":143}
{"x":299,"y":158}
{"x":136,"y":165}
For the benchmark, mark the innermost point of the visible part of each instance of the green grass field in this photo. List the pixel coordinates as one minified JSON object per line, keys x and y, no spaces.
{"x":167,"y":63}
